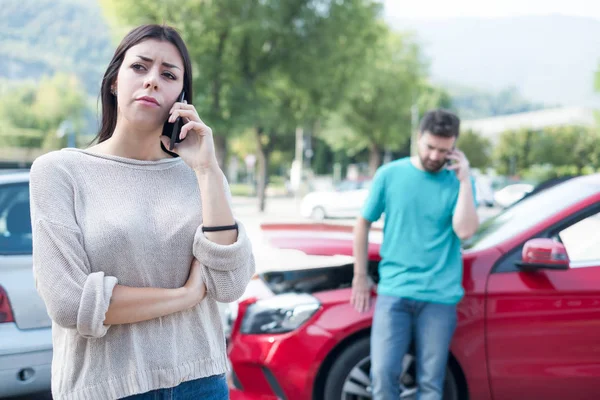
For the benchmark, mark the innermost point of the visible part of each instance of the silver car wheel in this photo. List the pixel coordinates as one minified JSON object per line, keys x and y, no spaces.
{"x":357,"y":385}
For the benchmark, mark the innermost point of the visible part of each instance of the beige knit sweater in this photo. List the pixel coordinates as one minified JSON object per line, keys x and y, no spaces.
{"x":99,"y":220}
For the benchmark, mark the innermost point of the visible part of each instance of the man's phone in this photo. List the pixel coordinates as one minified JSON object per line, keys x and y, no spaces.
{"x":450,"y":161}
{"x":176,"y":126}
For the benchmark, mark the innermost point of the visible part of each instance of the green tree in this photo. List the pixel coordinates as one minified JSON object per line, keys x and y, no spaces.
{"x":431,"y":97}
{"x":262,"y":64}
{"x":331,"y":40}
{"x":30,"y":114}
{"x":512,"y":153}
{"x":377,"y":114}
{"x":209,"y":29}
{"x":566,"y":146}
{"x":477,"y":149}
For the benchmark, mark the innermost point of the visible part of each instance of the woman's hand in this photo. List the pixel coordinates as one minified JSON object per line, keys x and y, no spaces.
{"x":195,"y":286}
{"x":198,"y":149}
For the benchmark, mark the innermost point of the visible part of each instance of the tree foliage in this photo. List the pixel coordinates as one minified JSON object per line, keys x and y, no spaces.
{"x":477,"y":149}
{"x":31,"y":114}
{"x":563,"y":147}
{"x":269,"y":65}
{"x":377,"y":114}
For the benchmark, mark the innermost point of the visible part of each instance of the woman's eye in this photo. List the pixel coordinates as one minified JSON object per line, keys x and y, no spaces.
{"x":170,"y":75}
{"x":138,"y":67}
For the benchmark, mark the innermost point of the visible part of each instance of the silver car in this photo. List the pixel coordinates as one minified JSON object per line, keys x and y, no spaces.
{"x":25,"y":328}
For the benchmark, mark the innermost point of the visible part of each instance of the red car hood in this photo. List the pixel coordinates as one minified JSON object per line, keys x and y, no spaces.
{"x":318,"y":240}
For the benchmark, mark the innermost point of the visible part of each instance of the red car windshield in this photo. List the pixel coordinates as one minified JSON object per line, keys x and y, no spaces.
{"x":529,"y":212}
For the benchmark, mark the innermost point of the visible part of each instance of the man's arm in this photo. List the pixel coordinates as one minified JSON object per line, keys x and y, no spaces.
{"x":465,"y":221}
{"x":361,"y":235}
{"x":361,"y":285}
{"x":371,"y":211}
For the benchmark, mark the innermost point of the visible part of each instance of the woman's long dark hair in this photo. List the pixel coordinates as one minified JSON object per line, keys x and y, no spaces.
{"x":137,"y":35}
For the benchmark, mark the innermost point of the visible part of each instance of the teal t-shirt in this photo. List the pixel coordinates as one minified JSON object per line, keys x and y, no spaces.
{"x":421,"y":254}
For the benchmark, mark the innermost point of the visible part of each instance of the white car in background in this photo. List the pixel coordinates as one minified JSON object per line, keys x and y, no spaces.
{"x":510,"y":194}
{"x":484,"y":193}
{"x":345,"y":201}
{"x":25,"y":328}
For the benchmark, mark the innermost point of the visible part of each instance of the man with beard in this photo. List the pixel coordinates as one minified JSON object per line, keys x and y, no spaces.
{"x":429,"y":206}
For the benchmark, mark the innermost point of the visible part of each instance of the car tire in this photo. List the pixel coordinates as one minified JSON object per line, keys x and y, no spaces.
{"x":357,"y":353}
{"x":318,"y":213}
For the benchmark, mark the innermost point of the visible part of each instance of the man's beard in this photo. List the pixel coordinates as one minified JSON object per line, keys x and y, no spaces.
{"x":432,"y":166}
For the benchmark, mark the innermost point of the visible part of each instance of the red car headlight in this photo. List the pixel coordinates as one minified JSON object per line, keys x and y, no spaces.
{"x":279,"y":314}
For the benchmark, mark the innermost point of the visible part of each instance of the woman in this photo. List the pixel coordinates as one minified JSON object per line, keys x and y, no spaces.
{"x":133,"y":245}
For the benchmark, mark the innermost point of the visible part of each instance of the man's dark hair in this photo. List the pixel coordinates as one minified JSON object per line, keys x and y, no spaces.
{"x":440,"y":122}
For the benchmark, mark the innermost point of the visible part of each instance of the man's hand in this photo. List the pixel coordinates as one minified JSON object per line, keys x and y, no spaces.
{"x":461,"y":165}
{"x":361,"y":293}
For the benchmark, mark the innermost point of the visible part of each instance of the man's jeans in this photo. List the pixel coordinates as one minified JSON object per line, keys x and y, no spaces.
{"x":395,"y":322}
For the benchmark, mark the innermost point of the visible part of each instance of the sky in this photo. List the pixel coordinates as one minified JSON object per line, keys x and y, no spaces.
{"x":489,"y":8}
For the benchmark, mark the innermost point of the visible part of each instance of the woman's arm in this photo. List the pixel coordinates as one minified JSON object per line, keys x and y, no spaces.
{"x":226,"y":256}
{"x":134,"y":304}
{"x":216,"y":208}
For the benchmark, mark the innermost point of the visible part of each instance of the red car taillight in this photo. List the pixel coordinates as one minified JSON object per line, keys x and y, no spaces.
{"x":6,"y":314}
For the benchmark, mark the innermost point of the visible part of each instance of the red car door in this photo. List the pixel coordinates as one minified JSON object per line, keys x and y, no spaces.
{"x":543,"y":326}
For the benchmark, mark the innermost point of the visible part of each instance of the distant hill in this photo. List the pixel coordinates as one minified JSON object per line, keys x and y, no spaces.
{"x":548,"y":59}
{"x":40,"y":37}
{"x":476,"y":103}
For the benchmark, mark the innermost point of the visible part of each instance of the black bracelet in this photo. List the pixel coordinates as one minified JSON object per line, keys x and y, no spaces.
{"x":219,"y":228}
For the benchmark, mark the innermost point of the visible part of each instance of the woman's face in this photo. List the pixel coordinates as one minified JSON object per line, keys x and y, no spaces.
{"x":149,"y":82}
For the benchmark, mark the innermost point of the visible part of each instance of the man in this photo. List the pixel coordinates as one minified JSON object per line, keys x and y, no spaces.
{"x":429,"y":206}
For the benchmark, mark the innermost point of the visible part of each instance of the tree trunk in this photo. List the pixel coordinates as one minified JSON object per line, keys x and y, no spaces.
{"x":263,"y":168}
{"x":374,"y":159}
{"x":221,"y":151}
{"x":220,"y":140}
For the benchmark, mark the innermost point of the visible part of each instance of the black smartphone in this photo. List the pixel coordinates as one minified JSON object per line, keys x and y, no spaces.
{"x":450,"y":161}
{"x":173,"y":129}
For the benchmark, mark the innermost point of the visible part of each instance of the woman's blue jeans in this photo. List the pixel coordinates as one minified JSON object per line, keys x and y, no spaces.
{"x":210,"y":388}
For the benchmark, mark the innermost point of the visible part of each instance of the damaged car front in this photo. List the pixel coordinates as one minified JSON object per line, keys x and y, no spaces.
{"x":294,"y":315}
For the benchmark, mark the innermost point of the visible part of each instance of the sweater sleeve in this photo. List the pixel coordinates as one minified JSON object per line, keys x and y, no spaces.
{"x":75,"y":297}
{"x":227,"y":269}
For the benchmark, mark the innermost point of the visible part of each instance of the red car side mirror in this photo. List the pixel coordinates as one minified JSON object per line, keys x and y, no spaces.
{"x":543,"y":254}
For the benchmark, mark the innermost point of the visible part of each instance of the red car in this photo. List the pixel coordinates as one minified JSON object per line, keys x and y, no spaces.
{"x":528,"y":326}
